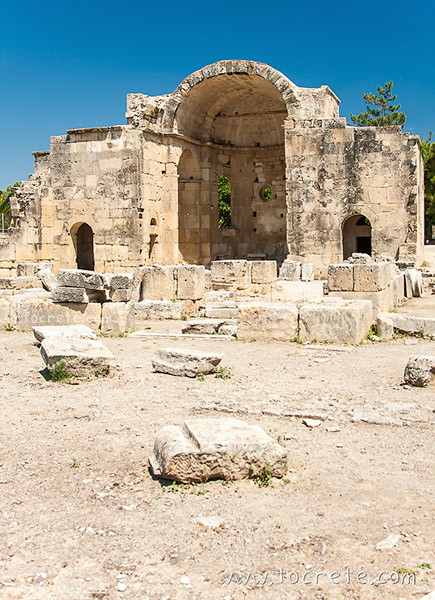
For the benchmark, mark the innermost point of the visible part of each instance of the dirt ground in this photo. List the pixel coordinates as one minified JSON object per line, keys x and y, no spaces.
{"x":82,"y":518}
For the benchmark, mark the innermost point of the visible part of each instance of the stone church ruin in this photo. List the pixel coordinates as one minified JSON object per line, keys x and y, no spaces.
{"x":334,"y":208}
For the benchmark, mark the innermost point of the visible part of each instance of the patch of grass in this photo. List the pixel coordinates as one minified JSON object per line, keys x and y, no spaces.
{"x":184,"y":317}
{"x":427,"y":566}
{"x":223,"y":373}
{"x":405,"y":571}
{"x":425,"y":581}
{"x":372,"y":331}
{"x":297,"y":340}
{"x":252,"y":340}
{"x":264,"y":476}
{"x":74,"y":464}
{"x":60,"y":371}
{"x":200,"y":376}
{"x":418,"y":334}
{"x":9,"y":327}
{"x":286,"y":481}
{"x":197,"y":489}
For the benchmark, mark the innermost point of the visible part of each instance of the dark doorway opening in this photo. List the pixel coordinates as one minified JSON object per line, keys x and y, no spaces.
{"x":364,"y":245}
{"x":85,"y":248}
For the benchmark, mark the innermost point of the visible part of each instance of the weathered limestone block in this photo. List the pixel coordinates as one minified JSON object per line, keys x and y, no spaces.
{"x":307,"y":272}
{"x":229,"y":274}
{"x":371,"y":278}
{"x":205,"y":449}
{"x":117,"y":318}
{"x":207,"y":326}
{"x":81,"y":357}
{"x":48,"y":280}
{"x":19,"y":283}
{"x":222,"y":310}
{"x":290,"y":270}
{"x":413,"y":283}
{"x":70,"y":294}
{"x":340,"y":278}
{"x":158,"y":309}
{"x":158,"y":283}
{"x":412,"y":324}
{"x":335,"y":320}
{"x":230,"y":327}
{"x":24,"y":314}
{"x":420,"y":371}
{"x":191,"y":282}
{"x":30,"y":269}
{"x":381,"y":300}
{"x":217,"y":296}
{"x":384,"y":326}
{"x":268,"y":321}
{"x":63,"y":331}
{"x":291,"y":291}
{"x":78,"y":278}
{"x":4,"y":313}
{"x":187,"y":363}
{"x":263,"y":271}
{"x":120,"y":295}
{"x":119,"y":281}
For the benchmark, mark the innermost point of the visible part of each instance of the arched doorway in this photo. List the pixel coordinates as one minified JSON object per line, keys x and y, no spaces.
{"x":189,"y":217}
{"x":357,"y":235}
{"x":84,"y":244}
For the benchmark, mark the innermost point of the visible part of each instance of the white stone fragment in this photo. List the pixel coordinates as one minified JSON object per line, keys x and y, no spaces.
{"x":63,"y":331}
{"x":389,"y":542}
{"x":207,"y":449}
{"x":182,"y":362}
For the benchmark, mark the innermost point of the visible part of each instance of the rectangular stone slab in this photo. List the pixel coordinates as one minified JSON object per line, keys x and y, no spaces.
{"x":83,"y":358}
{"x":223,"y":448}
{"x":42,"y":332}
{"x":79,"y":278}
{"x":187,"y":363}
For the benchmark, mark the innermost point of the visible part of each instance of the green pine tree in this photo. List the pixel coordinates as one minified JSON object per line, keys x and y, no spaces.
{"x":428,"y":153}
{"x":380,"y":110}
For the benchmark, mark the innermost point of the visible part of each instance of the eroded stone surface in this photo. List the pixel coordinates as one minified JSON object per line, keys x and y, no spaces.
{"x":81,"y":357}
{"x":42,"y":332}
{"x":78,"y":278}
{"x":205,"y":449}
{"x":268,"y":321}
{"x":420,"y":371}
{"x":182,"y":362}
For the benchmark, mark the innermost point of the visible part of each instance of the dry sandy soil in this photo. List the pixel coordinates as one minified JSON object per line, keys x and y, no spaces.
{"x":82,"y":518}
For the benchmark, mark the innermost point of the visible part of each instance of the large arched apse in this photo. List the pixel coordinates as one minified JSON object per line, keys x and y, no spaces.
{"x":189,"y":217}
{"x":238,"y":122}
{"x":357,"y":236}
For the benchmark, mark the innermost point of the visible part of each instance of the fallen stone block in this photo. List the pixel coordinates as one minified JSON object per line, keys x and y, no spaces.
{"x":158,"y":283}
{"x":290,"y":270}
{"x":221,"y":310}
{"x":19,"y":283}
{"x":384,"y":326}
{"x":190,"y":282}
{"x":335,"y":320}
{"x":205,"y":326}
{"x":340,"y":278}
{"x":79,"y":278}
{"x":371,"y":278}
{"x":30,"y":269}
{"x":293,"y":291}
{"x":42,"y":332}
{"x":413,"y":283}
{"x":268,"y":321}
{"x":187,"y":363}
{"x":158,"y":310}
{"x":263,"y":271}
{"x":80,"y":357}
{"x":307,"y":272}
{"x":117,"y":318}
{"x":70,"y":294}
{"x":205,"y":449}
{"x":229,"y":274}
{"x":420,"y":371}
{"x":411,"y":324}
{"x":48,"y":280}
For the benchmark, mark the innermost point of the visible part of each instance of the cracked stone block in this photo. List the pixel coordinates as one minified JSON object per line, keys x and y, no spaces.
{"x":42,"y":332}
{"x":185,"y":363}
{"x":117,"y":318}
{"x":371,"y":278}
{"x":205,"y":449}
{"x":81,"y":357}
{"x":267,"y":321}
{"x":263,"y":271}
{"x":340,"y":278}
{"x":158,"y":309}
{"x":70,"y":294}
{"x":191,"y":282}
{"x":291,"y":270}
{"x":420,"y":371}
{"x":79,"y":278}
{"x":229,"y":274}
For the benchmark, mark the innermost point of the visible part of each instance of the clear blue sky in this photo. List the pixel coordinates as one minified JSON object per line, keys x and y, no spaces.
{"x":70,"y":64}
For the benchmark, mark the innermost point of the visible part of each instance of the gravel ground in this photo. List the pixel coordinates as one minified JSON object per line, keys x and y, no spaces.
{"x":82,"y":517}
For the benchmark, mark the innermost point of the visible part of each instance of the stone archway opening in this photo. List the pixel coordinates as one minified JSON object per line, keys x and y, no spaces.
{"x":357,"y":235}
{"x":83,"y":239}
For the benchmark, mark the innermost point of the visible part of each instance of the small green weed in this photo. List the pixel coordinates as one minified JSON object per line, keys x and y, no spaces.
{"x":264,"y":476}
{"x":102,"y":371}
{"x":425,"y":580}
{"x":223,"y":373}
{"x":9,"y":327}
{"x":405,"y":571}
{"x":74,"y":464}
{"x":196,"y":489}
{"x":200,"y":376}
{"x":184,"y":317}
{"x":60,"y":371}
{"x":297,"y":340}
{"x":427,"y":566}
{"x":252,"y":340}
{"x":286,"y":481}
